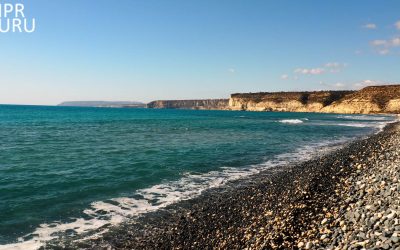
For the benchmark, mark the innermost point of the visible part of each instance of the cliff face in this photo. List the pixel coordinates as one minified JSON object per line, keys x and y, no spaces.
{"x":286,"y":101}
{"x":220,"y":104}
{"x":369,"y":100}
{"x":373,"y":99}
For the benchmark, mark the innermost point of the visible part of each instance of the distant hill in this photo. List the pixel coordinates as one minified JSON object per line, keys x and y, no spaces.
{"x":117,"y":104}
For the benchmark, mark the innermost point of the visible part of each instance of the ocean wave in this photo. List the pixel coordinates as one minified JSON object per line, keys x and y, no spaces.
{"x":364,"y":117}
{"x":101,"y":215}
{"x":377,"y":125}
{"x":357,"y":125}
{"x":291,"y":121}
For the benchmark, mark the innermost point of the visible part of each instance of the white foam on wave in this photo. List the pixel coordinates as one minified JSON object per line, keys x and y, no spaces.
{"x":378,"y":126}
{"x":102,"y":214}
{"x":361,"y":121}
{"x":364,"y":117}
{"x":291,"y":121}
{"x":357,"y":125}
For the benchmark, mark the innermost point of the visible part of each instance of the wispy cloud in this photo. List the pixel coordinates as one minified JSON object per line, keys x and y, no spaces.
{"x":397,"y":25}
{"x":370,"y":26}
{"x":383,"y":52}
{"x":339,"y":85}
{"x":335,"y":67}
{"x":395,"y":42}
{"x":379,"y":43}
{"x":310,"y":71}
{"x":366,"y":83}
{"x":231,"y":70}
{"x":330,"y":67}
{"x":383,"y":47}
{"x":336,"y":86}
{"x":352,"y":85}
{"x":284,"y":77}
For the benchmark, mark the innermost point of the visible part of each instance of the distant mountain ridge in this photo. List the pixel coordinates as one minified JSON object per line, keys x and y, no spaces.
{"x":127,"y":104}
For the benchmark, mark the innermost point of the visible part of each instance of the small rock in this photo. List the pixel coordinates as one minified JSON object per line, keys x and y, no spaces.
{"x":309,"y":245}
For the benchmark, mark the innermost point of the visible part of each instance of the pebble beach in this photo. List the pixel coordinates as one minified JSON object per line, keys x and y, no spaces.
{"x":346,"y":199}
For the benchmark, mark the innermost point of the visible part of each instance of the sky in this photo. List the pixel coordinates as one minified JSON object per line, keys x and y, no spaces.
{"x":144,"y":50}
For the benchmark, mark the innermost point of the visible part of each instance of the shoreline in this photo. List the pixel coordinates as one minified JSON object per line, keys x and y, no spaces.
{"x":275,"y":209}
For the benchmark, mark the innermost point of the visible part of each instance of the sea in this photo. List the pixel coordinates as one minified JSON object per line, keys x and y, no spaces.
{"x":70,"y":171}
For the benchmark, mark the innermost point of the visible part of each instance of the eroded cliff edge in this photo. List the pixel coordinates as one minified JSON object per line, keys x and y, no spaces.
{"x":369,"y":100}
{"x":286,"y":101}
{"x":217,"y":104}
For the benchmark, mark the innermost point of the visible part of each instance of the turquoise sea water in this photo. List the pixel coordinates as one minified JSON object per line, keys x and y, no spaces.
{"x":68,"y":170}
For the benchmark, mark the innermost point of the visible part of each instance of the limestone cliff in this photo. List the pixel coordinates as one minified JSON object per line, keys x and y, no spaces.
{"x":220,"y":104}
{"x":286,"y":101}
{"x":369,"y":100}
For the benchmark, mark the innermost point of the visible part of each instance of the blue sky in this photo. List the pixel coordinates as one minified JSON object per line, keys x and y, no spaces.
{"x":146,"y":49}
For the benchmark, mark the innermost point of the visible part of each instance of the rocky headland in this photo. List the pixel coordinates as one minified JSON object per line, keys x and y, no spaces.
{"x":369,"y":100}
{"x":286,"y":101}
{"x":209,"y":104}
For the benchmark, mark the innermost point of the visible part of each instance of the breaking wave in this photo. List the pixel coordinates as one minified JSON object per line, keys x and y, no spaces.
{"x":291,"y":121}
{"x":365,"y":117}
{"x":101,"y":215}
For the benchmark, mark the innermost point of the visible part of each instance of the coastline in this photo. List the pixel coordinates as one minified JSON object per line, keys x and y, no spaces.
{"x":308,"y":206}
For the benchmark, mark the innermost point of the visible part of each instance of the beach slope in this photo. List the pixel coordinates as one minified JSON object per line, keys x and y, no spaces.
{"x":347,"y":199}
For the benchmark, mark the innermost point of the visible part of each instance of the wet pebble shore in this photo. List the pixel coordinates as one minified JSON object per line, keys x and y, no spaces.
{"x":348,"y":199}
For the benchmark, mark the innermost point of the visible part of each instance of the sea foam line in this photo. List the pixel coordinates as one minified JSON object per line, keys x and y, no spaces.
{"x":118,"y":210}
{"x":291,"y":121}
{"x":364,"y":117}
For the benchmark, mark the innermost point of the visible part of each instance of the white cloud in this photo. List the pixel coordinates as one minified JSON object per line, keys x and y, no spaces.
{"x":370,"y":26}
{"x":336,"y":86}
{"x":397,"y":24}
{"x":366,"y":83}
{"x":284,"y":77}
{"x":379,"y":43}
{"x":330,"y":67}
{"x":339,"y":85}
{"x":383,"y":46}
{"x":335,"y":67}
{"x":312,"y":71}
{"x":394,"y":42}
{"x":383,"y":52}
{"x":353,"y":85}
{"x":232,"y":70}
